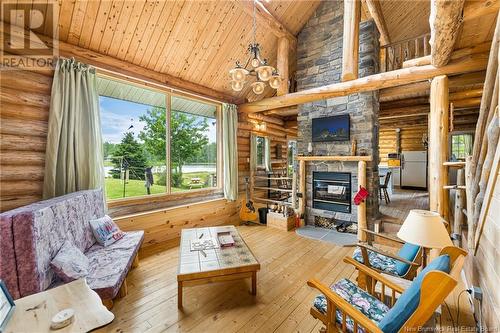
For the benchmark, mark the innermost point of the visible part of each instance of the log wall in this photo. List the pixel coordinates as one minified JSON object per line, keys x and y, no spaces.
{"x":483,"y":270}
{"x":410,"y":136}
{"x":24,"y":114}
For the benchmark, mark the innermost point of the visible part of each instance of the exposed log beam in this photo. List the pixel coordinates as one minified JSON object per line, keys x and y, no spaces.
{"x":350,"y":43}
{"x":457,"y":54}
{"x":445,"y":21}
{"x":438,"y":143}
{"x":376,"y":13}
{"x":398,"y":77}
{"x":267,"y":19}
{"x":475,"y":9}
{"x":118,"y":66}
{"x":268,"y":119}
{"x":421,"y":89}
{"x":282,"y":64}
{"x":466,"y":94}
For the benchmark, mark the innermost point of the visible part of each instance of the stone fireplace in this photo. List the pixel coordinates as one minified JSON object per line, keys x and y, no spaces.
{"x":319,"y":62}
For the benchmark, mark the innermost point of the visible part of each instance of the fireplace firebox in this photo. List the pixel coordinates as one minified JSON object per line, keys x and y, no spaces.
{"x":332,"y":191}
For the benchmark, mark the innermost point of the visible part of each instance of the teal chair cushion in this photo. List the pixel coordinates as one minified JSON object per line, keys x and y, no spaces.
{"x":408,"y":302}
{"x":408,"y":252}
{"x":360,"y":299}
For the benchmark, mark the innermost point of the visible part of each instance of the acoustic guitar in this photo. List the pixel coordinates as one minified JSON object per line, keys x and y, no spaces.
{"x":247,"y":210}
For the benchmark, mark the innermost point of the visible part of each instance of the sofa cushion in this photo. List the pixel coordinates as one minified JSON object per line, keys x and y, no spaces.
{"x":106,"y":231}
{"x":109,"y":265}
{"x":39,"y":231}
{"x":8,"y":269}
{"x":377,"y":261}
{"x":409,"y":252}
{"x":360,"y":299}
{"x":70,"y":263}
{"x":409,"y":300}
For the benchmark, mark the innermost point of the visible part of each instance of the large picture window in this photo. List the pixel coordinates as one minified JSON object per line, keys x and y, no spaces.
{"x":155,"y":142}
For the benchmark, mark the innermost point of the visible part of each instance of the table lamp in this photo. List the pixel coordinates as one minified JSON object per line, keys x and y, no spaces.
{"x":426,"y":229}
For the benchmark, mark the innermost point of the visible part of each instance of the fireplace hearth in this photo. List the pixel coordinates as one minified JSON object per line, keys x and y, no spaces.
{"x":332,"y":191}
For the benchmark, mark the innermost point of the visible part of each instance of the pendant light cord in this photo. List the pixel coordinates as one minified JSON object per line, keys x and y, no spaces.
{"x":254,"y":23}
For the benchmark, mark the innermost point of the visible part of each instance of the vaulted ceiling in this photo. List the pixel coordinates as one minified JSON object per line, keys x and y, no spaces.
{"x":199,"y":41}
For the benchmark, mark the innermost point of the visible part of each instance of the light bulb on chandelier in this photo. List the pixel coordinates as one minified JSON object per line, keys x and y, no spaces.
{"x":258,"y":87}
{"x":237,"y":85}
{"x":238,"y":74}
{"x":275,"y":81}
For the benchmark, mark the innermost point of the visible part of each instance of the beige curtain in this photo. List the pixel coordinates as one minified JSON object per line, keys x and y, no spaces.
{"x":267,"y":154}
{"x":74,"y":159}
{"x":230,"y":150}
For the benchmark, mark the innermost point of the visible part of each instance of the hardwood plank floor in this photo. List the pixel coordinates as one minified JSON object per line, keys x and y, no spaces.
{"x":281,"y":305}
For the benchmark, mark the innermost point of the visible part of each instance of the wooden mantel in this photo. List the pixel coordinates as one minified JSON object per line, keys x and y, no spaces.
{"x":362,"y":221}
{"x":335,"y":158}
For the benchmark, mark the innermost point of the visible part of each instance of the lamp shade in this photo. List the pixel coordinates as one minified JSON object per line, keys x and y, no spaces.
{"x":425,"y":228}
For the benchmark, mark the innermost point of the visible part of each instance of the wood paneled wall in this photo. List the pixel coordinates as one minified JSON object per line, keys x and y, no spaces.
{"x":24,"y":105}
{"x":278,"y":133}
{"x":163,"y":227}
{"x":483,"y":270}
{"x":410,"y":138}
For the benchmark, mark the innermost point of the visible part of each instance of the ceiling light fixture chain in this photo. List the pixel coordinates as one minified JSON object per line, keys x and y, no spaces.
{"x":259,"y":67}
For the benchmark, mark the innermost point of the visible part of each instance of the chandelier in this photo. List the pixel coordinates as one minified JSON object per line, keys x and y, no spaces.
{"x":258,"y":68}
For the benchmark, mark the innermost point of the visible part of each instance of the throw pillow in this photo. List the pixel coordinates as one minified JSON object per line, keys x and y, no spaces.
{"x":106,"y":231}
{"x":409,"y":300}
{"x":70,"y":263}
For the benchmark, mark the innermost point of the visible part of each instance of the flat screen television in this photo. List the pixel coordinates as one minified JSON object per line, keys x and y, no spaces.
{"x":334,"y":128}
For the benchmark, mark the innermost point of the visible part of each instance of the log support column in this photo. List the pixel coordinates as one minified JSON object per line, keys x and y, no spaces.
{"x":438,"y":145}
{"x":362,"y":222}
{"x":282,"y":64}
{"x":350,"y":48}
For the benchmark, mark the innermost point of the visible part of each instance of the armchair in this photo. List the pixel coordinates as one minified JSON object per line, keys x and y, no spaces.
{"x":404,"y":264}
{"x":352,"y":309}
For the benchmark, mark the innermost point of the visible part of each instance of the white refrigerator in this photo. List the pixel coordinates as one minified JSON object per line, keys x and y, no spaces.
{"x":414,"y":169}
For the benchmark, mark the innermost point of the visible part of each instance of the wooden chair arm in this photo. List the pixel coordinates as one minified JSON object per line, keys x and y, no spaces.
{"x":345,"y":306}
{"x":387,"y":254}
{"x":385,"y":236}
{"x":374,"y":274}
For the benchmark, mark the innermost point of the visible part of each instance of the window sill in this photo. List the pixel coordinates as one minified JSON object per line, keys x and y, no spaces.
{"x":155,"y":198}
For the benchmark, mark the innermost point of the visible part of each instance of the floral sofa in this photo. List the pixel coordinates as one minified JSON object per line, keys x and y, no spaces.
{"x":31,"y":236}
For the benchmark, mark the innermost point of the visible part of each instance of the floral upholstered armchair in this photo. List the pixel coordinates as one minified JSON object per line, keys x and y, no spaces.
{"x":346,"y":307}
{"x":403,"y":264}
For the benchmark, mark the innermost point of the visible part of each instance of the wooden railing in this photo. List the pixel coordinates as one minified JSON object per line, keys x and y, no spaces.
{"x":393,"y":55}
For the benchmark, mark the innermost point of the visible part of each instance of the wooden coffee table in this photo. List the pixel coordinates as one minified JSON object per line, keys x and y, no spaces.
{"x":219,"y":264}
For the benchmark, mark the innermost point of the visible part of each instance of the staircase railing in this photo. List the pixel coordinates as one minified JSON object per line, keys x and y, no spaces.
{"x":393,"y":55}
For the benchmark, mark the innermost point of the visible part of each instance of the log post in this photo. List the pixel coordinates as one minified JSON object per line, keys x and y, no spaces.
{"x":282,"y":64}
{"x":362,"y":223}
{"x":376,"y":13}
{"x":469,"y":167}
{"x":302,"y":187}
{"x":459,"y":205}
{"x":350,"y":49}
{"x":445,"y":20}
{"x":438,"y":145}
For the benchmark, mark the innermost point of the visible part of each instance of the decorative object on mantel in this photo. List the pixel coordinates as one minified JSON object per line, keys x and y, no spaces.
{"x":259,"y":67}
{"x":354,"y":146}
{"x":310,"y":148}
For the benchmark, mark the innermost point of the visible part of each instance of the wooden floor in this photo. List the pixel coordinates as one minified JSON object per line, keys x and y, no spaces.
{"x":402,"y":201}
{"x":281,"y":305}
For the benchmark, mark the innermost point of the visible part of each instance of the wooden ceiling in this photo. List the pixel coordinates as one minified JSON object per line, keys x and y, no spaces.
{"x":199,"y":41}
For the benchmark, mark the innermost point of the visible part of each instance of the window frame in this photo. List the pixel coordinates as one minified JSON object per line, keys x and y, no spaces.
{"x":454,"y":133}
{"x":169,"y":93}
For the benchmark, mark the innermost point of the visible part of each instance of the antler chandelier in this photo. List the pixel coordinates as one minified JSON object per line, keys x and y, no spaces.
{"x":259,"y":68}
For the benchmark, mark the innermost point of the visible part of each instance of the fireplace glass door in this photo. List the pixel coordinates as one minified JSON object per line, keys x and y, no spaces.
{"x":332,"y":191}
